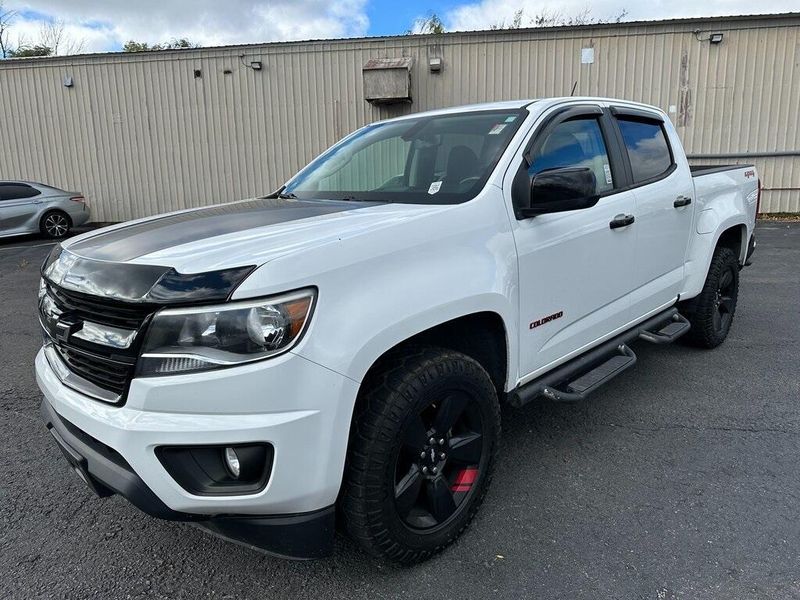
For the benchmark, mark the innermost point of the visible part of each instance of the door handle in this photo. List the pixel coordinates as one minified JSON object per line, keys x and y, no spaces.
{"x":621,"y":221}
{"x":682,"y":201}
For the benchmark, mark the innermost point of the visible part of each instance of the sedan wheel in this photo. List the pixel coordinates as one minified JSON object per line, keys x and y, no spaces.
{"x":55,"y":225}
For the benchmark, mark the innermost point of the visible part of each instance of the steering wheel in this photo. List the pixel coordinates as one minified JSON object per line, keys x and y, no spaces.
{"x":471,"y":180}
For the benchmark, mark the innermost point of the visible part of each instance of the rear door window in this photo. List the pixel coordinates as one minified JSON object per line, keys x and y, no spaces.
{"x":16,"y":191}
{"x":647,"y":147}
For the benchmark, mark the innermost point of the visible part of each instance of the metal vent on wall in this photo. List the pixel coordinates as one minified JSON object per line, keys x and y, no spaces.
{"x":387,"y":80}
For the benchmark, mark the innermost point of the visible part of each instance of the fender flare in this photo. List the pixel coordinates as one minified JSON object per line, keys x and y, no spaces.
{"x":708,"y":251}
{"x":401,"y":331}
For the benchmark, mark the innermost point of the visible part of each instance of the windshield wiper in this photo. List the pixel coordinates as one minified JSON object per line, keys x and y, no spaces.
{"x":289,"y":196}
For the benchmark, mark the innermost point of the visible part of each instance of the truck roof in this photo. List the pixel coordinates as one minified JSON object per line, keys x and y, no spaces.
{"x":522,"y":103}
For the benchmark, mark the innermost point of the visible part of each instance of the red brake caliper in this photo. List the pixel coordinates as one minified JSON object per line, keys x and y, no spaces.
{"x":464,"y":480}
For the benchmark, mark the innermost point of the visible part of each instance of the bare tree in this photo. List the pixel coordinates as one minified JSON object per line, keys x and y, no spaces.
{"x":52,"y":35}
{"x":516,"y":22}
{"x":555,"y":18}
{"x":6,"y":18}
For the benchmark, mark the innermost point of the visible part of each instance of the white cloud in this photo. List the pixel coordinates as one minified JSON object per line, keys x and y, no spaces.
{"x":485,"y":13}
{"x":107,"y":25}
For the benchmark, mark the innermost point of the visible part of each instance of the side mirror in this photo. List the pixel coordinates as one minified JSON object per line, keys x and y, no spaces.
{"x":559,"y":190}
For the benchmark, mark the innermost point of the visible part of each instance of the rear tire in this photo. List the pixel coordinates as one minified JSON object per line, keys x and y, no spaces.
{"x":711,"y":312}
{"x":422,"y":448}
{"x":55,"y":224}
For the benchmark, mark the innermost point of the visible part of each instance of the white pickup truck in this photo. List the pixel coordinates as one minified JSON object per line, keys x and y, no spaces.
{"x":338,"y":351}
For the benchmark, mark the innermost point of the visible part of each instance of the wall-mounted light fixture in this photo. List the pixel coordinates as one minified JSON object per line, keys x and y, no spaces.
{"x":435,"y":64}
{"x":256,"y":65}
{"x":68,"y":81}
{"x":715,"y":37}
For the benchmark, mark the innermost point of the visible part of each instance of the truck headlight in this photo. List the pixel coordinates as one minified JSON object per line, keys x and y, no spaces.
{"x":181,"y":340}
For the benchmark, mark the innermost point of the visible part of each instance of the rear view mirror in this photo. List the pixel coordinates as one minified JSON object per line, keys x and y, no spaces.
{"x":559,"y":190}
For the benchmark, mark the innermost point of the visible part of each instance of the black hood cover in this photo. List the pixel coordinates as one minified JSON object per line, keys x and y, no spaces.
{"x":149,"y":284}
{"x":135,"y":240}
{"x":98,"y":265}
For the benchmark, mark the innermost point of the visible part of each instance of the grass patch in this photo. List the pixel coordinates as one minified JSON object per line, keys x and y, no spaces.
{"x":789,"y":217}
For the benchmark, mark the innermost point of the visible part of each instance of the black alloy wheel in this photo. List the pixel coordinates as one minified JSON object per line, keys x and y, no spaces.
{"x":425,"y":434}
{"x":711,"y":311}
{"x":724,"y":301}
{"x":439,"y":460}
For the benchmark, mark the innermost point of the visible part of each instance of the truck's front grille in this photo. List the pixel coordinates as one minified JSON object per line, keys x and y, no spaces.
{"x":100,"y":370}
{"x":100,"y":310}
{"x":102,"y":362}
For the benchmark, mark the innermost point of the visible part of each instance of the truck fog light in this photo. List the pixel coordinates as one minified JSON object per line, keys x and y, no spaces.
{"x":224,"y":470}
{"x":232,"y":462}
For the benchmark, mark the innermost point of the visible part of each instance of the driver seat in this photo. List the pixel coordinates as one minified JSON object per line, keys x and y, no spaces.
{"x":461,"y":163}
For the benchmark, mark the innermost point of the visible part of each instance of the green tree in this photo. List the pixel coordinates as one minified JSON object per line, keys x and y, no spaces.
{"x":174,"y":44}
{"x":29,"y":51}
{"x":430,"y":24}
{"x":131,"y":46}
{"x":177,"y":44}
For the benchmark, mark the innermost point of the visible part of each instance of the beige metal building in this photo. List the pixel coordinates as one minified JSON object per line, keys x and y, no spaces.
{"x":150,"y":132}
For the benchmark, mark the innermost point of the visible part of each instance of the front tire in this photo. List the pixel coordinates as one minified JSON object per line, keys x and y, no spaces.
{"x":421,"y":454}
{"x":55,"y":224}
{"x":711,"y":312}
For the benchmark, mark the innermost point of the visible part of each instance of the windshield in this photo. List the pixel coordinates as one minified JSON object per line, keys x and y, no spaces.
{"x":443,"y":159}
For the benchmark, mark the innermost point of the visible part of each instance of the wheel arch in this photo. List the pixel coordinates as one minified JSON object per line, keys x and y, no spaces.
{"x":735,"y":238}
{"x":732,"y":233}
{"x":481,"y":335}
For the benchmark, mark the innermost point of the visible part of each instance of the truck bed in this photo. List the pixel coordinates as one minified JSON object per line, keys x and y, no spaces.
{"x":698,"y":170}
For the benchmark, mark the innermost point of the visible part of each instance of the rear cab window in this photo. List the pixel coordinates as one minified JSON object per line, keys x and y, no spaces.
{"x":647,"y":146}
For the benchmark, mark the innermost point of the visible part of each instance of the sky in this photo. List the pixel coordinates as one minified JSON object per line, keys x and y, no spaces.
{"x":104,"y":25}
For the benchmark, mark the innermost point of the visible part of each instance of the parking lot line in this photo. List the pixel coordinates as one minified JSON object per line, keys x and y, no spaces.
{"x":28,"y":246}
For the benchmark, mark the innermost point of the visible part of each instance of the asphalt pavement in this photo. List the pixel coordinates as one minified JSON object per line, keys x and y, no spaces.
{"x":680,"y":479}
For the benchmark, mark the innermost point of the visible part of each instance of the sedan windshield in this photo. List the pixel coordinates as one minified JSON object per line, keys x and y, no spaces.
{"x":443,"y":159}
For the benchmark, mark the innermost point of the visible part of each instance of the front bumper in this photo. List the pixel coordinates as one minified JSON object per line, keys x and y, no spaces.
{"x":299,"y":407}
{"x":308,"y":535}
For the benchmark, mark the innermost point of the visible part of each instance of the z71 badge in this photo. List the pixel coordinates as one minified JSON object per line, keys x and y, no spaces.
{"x":547,"y":319}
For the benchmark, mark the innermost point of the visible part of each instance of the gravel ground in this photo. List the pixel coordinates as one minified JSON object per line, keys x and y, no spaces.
{"x":680,"y":479}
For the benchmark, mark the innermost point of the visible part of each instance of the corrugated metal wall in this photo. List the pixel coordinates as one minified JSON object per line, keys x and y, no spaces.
{"x":140,"y":134}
